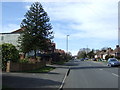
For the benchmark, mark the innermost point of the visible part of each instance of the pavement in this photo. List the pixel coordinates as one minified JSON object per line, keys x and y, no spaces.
{"x":52,"y":79}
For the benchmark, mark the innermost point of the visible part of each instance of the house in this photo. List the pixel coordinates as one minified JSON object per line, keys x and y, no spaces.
{"x":109,"y":51}
{"x":18,"y":31}
{"x":99,"y":54}
{"x":11,"y":38}
{"x":116,"y":51}
{"x":103,"y":53}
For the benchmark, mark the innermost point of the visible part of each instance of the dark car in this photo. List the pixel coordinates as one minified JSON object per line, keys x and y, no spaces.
{"x":94,"y":59}
{"x":86,"y":58}
{"x":113,"y":62}
{"x":82,"y":59}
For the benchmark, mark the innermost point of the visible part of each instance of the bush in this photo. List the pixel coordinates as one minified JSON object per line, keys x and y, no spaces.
{"x":108,"y":56}
{"x":25,"y":60}
{"x":9,"y":53}
{"x":117,"y":57}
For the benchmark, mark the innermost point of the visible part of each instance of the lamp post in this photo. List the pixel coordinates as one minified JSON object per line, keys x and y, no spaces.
{"x":67,"y":43}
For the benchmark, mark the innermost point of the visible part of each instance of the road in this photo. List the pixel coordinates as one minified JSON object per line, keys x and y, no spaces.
{"x":89,"y":74}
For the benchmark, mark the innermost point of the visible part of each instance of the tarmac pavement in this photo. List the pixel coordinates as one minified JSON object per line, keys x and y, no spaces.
{"x":52,"y":79}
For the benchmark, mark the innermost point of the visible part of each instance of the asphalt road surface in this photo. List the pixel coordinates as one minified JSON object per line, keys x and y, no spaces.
{"x":89,"y":74}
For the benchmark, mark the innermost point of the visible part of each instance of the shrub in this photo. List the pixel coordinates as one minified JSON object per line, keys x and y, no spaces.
{"x":9,"y":53}
{"x":117,"y":57}
{"x":25,"y":60}
{"x":108,"y":56}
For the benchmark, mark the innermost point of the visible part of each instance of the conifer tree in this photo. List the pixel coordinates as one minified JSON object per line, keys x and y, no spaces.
{"x":37,"y":33}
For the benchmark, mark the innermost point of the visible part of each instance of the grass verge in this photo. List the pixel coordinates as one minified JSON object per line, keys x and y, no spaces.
{"x":40,"y":70}
{"x":102,"y":62}
{"x":59,"y":63}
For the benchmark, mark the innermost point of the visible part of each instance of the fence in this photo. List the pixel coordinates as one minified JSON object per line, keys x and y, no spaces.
{"x":23,"y":66}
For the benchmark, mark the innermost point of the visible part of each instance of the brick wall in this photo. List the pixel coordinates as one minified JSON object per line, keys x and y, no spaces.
{"x":24,"y":67}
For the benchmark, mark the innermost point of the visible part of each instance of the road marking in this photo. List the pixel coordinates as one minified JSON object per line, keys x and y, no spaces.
{"x":114,"y":74}
{"x":100,"y":69}
{"x":60,"y":88}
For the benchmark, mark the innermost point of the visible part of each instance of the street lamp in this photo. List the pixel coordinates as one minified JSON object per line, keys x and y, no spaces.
{"x":67,"y":43}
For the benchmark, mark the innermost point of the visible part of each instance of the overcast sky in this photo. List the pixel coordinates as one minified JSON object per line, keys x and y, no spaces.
{"x":92,"y":23}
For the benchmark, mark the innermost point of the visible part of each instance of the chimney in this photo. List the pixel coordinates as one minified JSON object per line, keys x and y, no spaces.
{"x":117,"y":46}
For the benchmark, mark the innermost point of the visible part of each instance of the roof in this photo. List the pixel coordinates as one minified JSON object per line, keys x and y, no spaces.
{"x":5,"y":33}
{"x":117,"y":50}
{"x":102,"y":52}
{"x":15,"y":32}
{"x":59,"y":51}
{"x":8,"y":33}
{"x":18,"y":31}
{"x":109,"y":51}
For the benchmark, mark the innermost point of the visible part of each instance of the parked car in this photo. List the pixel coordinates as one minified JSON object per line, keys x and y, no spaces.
{"x":113,"y":62}
{"x":86,"y":58}
{"x":82,"y":59}
{"x":94,"y":59}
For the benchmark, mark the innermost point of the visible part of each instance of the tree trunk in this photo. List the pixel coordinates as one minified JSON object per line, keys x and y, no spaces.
{"x":24,"y":55}
{"x":35,"y":54}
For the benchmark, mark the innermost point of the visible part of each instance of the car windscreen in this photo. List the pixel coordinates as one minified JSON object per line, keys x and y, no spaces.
{"x":113,"y":59}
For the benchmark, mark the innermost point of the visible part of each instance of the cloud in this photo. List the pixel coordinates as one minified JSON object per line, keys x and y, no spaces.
{"x":20,"y":19}
{"x":74,"y":52}
{"x":93,"y":18}
{"x":10,"y":27}
{"x":59,"y":35}
{"x":88,"y":20}
{"x":27,"y":7}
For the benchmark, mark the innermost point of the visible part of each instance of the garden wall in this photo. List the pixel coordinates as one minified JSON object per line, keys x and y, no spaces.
{"x":24,"y":66}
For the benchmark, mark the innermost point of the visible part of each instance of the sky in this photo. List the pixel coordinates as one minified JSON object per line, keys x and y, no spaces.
{"x":89,"y":23}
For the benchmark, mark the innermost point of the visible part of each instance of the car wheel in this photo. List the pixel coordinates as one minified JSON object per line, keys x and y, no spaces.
{"x":110,"y":65}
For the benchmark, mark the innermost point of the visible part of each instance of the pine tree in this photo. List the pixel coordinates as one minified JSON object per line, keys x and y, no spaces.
{"x":37,"y":33}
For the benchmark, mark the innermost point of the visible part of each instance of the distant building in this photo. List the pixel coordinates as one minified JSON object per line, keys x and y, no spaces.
{"x":103,"y":53}
{"x":116,"y":51}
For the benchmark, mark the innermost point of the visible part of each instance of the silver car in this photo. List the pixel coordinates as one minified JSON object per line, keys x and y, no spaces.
{"x":113,"y":62}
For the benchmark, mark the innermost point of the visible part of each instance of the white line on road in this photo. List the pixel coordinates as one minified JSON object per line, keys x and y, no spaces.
{"x":63,"y":80}
{"x":100,"y":69}
{"x":115,"y":74}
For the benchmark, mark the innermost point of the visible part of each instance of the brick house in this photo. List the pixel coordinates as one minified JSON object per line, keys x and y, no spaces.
{"x":99,"y":54}
{"x":102,"y":54}
{"x":109,"y":51}
{"x":116,"y":51}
